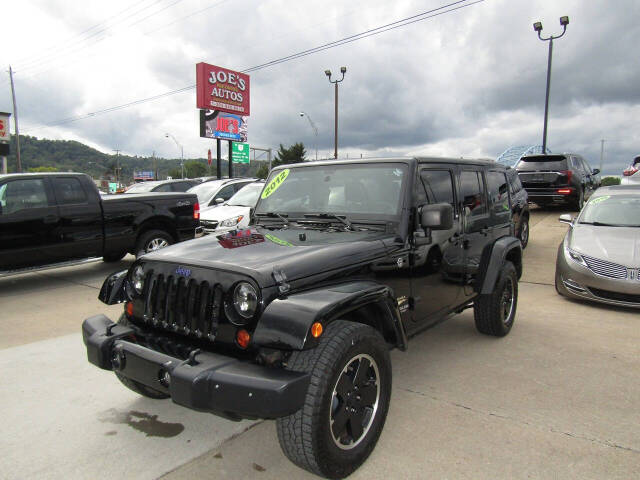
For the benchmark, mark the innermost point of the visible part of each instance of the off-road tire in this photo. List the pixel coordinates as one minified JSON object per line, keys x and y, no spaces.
{"x":138,"y":387}
{"x":306,"y":437}
{"x":489,"y":310}
{"x":148,"y":239}
{"x":524,"y":232}
{"x":113,"y":257}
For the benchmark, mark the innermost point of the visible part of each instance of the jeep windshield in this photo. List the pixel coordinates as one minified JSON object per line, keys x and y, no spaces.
{"x":357,"y":191}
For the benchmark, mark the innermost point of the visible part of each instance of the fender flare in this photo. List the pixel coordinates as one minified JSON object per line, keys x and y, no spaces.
{"x":286,"y":322}
{"x":505,"y":248}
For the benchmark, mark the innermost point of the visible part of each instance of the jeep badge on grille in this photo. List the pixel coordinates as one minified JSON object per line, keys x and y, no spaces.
{"x":185,"y":272}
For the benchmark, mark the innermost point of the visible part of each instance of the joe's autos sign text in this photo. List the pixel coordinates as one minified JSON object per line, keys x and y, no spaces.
{"x":222,"y":89}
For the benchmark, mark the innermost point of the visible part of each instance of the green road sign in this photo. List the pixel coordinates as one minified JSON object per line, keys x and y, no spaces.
{"x":240,"y":152}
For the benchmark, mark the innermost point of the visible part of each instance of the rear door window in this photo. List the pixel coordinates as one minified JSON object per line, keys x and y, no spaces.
{"x":69,"y":191}
{"x":498,"y":196}
{"x":163,"y":188}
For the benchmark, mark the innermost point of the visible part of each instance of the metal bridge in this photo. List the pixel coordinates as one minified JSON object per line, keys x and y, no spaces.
{"x":511,"y":155}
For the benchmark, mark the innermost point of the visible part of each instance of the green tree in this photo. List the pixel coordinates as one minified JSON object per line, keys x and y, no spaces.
{"x":42,"y":169}
{"x":294,"y":154}
{"x":194,"y":168}
{"x":263,"y":171}
{"x":606,"y":181}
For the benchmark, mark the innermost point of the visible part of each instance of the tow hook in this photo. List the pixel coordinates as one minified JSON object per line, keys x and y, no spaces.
{"x":118,"y":358}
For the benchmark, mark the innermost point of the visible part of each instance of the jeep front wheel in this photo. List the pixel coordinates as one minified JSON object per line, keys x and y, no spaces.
{"x":494,"y":313}
{"x":346,"y":403}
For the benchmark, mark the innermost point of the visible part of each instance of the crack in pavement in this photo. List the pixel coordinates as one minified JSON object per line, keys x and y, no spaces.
{"x":523,"y":422}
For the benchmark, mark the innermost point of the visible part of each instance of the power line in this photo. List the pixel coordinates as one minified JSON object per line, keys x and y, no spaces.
{"x":448,"y":8}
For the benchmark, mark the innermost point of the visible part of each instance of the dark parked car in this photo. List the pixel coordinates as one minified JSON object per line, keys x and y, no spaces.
{"x":519,"y":206}
{"x":599,"y":258}
{"x":162,"y":186}
{"x":293,"y":317}
{"x":558,"y":179}
{"x":47,"y":219}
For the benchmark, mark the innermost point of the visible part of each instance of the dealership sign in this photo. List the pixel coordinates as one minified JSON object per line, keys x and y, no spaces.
{"x":225,"y":126}
{"x":4,"y":127}
{"x":222,"y":89}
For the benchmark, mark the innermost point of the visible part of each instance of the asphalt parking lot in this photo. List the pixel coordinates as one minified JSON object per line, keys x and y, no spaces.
{"x":557,"y":398}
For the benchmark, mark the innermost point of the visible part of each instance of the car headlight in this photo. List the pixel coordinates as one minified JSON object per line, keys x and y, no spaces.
{"x":137,"y":279}
{"x":231,"y":222}
{"x":575,"y":256}
{"x":245,"y":300}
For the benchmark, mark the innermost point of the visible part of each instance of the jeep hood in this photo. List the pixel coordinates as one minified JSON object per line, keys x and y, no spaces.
{"x":257,"y":251}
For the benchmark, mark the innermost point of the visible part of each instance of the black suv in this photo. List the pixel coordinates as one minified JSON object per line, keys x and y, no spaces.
{"x":293,"y":318}
{"x":558,"y":179}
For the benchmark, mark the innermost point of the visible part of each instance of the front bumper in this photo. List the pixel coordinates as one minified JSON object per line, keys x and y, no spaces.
{"x":576,"y":281}
{"x":207,"y":382}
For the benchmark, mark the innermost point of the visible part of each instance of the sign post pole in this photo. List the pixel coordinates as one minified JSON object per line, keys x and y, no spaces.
{"x":230,"y":159}
{"x":5,"y":138}
{"x":218,"y":159}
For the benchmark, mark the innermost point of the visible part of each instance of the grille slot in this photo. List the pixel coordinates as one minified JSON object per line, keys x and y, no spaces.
{"x":188,"y":307}
{"x":604,"y":268}
{"x":617,"y":296}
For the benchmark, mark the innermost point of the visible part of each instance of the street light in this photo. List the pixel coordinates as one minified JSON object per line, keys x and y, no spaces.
{"x":537,"y":27}
{"x":343,"y":70}
{"x":167,"y":135}
{"x":315,"y":130}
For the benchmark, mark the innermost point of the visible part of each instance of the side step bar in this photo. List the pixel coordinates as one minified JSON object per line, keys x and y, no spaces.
{"x":70,"y":263}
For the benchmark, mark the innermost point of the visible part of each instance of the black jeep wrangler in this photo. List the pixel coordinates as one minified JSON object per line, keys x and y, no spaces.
{"x":293,"y":318}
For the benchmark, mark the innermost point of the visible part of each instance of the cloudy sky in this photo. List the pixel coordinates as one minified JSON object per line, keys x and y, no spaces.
{"x":467,"y":82}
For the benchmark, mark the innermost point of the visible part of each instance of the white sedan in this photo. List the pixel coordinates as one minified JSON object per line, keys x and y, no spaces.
{"x":233,"y":213}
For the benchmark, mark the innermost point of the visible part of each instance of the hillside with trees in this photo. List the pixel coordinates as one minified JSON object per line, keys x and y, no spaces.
{"x":71,"y":156}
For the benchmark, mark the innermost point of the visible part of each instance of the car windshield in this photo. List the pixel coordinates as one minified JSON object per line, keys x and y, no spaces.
{"x":550,"y":163}
{"x":612,"y":210}
{"x":365,"y":191}
{"x":247,"y":196}
{"x":141,"y":187}
{"x":205,"y":191}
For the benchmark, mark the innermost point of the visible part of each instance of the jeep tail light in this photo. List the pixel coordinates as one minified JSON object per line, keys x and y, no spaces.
{"x":129,"y":309}
{"x":565,"y":191}
{"x":568,"y":173}
{"x":196,"y":211}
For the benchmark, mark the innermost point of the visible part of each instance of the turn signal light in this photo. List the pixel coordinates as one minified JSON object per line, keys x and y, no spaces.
{"x":316,"y":329}
{"x":564,"y":191}
{"x":243,"y":338}
{"x":129,"y":309}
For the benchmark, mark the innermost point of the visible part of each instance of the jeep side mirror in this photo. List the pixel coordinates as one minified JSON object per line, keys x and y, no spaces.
{"x":565,"y":218}
{"x":438,"y":216}
{"x":596,"y":171}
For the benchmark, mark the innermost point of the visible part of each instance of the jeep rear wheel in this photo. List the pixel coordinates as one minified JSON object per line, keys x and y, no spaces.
{"x":346,"y":403}
{"x":494,"y":313}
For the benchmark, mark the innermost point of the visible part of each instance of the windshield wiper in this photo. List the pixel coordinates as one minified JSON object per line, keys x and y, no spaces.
{"x":340,"y":218}
{"x":600,"y":224}
{"x":274,"y":215}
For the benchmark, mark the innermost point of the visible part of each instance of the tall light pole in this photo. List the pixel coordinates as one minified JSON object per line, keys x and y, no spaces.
{"x":315,"y":130}
{"x":343,"y":70}
{"x":168,"y":135}
{"x":564,"y":21}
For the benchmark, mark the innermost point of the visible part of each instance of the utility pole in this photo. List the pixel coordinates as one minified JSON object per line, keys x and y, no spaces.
{"x":343,"y":70}
{"x":601,"y":153}
{"x":117,"y":167}
{"x":155,"y":165}
{"x":15,"y":122}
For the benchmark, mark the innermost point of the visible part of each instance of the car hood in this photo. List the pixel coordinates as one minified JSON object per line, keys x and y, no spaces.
{"x":619,"y":245}
{"x":298,"y":253}
{"x":222,"y":212}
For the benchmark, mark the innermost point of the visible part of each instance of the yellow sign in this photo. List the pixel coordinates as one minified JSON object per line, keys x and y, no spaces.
{"x":277,"y":240}
{"x":275,"y":183}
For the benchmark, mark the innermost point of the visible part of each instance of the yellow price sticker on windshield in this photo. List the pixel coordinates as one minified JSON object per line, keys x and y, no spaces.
{"x":275,"y":183}
{"x":599,"y":199}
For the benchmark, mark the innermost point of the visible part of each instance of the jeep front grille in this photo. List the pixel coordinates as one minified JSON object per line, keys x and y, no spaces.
{"x":182,"y":305}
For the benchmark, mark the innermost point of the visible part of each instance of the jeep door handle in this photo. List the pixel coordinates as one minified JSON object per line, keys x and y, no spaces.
{"x":50,"y":219}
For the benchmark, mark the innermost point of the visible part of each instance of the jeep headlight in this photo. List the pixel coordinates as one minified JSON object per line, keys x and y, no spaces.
{"x":137,"y":279}
{"x":245,"y":300}
{"x":231,"y":222}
